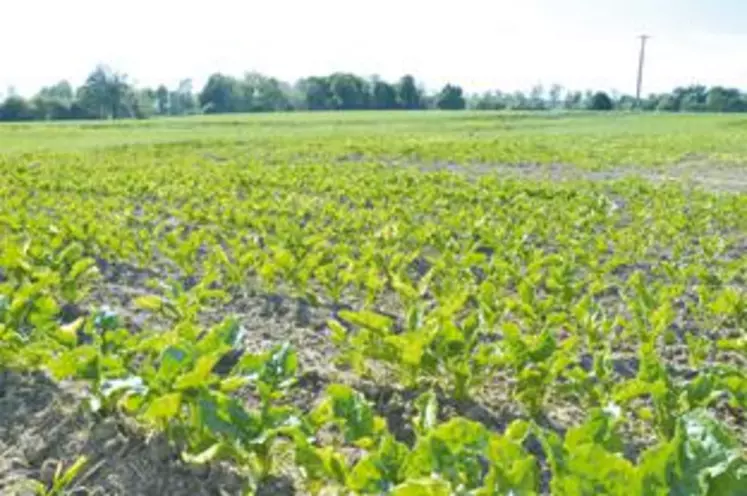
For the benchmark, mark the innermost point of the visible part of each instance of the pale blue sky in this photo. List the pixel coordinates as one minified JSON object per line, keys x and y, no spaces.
{"x":481,"y":44}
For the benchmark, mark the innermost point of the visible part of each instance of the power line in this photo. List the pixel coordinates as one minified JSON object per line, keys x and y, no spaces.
{"x":641,"y":58}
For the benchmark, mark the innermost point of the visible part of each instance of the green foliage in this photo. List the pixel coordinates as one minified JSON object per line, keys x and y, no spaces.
{"x":702,"y":458}
{"x":601,"y":101}
{"x":62,"y":480}
{"x":450,"y":98}
{"x":616,"y":307}
{"x":107,"y":94}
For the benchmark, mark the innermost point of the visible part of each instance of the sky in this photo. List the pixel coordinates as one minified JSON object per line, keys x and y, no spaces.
{"x":480,"y":44}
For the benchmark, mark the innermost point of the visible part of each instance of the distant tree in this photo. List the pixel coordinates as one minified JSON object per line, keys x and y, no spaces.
{"x":427,"y":100}
{"x":53,"y":102}
{"x":106,"y":94}
{"x":109,"y":94}
{"x":268,"y":94}
{"x":349,"y":92}
{"x":61,"y":91}
{"x":221,"y":94}
{"x":649,"y":103}
{"x":182,"y":101}
{"x":317,"y":93}
{"x":691,"y":103}
{"x":687,"y":99}
{"x":573,"y":100}
{"x":16,"y":108}
{"x":409,"y":95}
{"x":490,"y":100}
{"x":600,"y":101}
{"x":50,"y":108}
{"x":451,"y":97}
{"x":244,"y":97}
{"x":162,"y":100}
{"x":586,"y":99}
{"x":143,"y":103}
{"x":536,"y":98}
{"x":555,"y":95}
{"x":722,"y":99}
{"x":519,"y":101}
{"x":667,"y":103}
{"x":625,"y":102}
{"x":287,"y":98}
{"x":383,"y":95}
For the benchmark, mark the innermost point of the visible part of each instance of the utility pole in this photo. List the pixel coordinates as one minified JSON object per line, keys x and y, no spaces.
{"x":640,"y":70}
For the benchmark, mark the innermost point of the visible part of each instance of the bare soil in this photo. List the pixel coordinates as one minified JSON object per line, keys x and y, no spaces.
{"x":693,"y":171}
{"x":44,"y":424}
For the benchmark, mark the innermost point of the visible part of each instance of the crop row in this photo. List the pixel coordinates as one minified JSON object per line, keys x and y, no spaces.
{"x":609,"y":315}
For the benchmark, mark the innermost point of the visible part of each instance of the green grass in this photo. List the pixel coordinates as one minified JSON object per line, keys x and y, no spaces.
{"x":582,"y":139}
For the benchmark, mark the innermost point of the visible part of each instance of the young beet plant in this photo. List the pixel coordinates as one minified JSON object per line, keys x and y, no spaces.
{"x":454,"y":457}
{"x":431,"y":351}
{"x":181,"y":387}
{"x":34,"y":324}
{"x":702,"y":457}
{"x":185,"y":387}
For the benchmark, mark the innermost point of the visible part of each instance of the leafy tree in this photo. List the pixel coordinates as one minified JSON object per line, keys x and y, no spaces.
{"x":16,"y":108}
{"x":667,"y":103}
{"x":518,"y":101}
{"x":162,"y":100}
{"x":383,"y":95}
{"x":691,"y":98}
{"x":349,"y":91}
{"x":626,"y":102}
{"x":54,"y":102}
{"x":106,"y":94}
{"x":268,"y":94}
{"x":649,"y":103}
{"x":61,"y":91}
{"x":555,"y":94}
{"x":450,"y":97}
{"x":49,"y":108}
{"x":142,"y":104}
{"x":317,"y":93}
{"x":573,"y":100}
{"x":114,"y":88}
{"x":183,"y":101}
{"x":722,"y":99}
{"x":600,"y":101}
{"x":536,"y":98}
{"x":409,"y":95}
{"x":692,"y":103}
{"x":490,"y":100}
{"x":221,"y":94}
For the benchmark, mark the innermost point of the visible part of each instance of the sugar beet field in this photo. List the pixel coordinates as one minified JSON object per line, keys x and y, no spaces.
{"x":375,"y":303}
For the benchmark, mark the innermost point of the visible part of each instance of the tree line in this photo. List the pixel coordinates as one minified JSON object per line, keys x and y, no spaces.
{"x":108,"y":94}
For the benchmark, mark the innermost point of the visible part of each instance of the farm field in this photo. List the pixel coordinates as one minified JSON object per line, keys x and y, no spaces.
{"x":375,"y":303}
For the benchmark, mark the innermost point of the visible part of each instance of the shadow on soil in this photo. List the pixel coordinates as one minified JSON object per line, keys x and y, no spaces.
{"x":43,"y":425}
